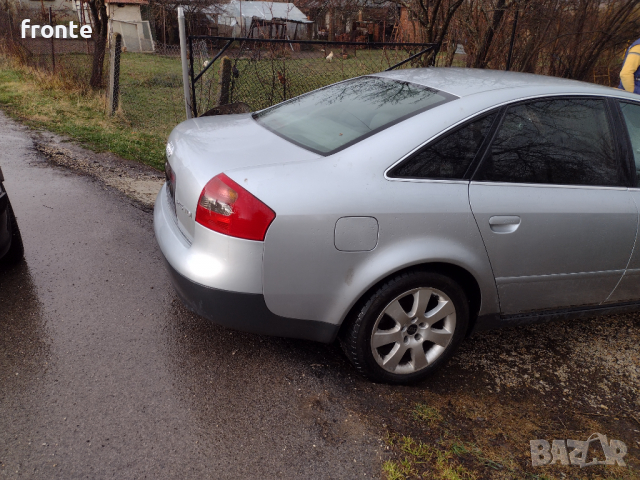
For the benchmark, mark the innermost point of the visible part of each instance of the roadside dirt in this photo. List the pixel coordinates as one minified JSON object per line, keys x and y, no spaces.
{"x":138,"y":182}
{"x":503,"y":388}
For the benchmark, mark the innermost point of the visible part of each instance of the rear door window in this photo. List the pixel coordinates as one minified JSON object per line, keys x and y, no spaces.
{"x":563,"y":141}
{"x":448,"y":157}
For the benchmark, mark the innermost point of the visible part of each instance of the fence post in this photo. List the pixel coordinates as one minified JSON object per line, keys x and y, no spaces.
{"x":53,"y":48}
{"x":183,"y":57}
{"x":224,"y":86}
{"x":113,"y":93}
{"x":10,"y":27}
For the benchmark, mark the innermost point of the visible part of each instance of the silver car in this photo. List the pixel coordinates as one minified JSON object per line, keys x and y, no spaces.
{"x":400,"y":212}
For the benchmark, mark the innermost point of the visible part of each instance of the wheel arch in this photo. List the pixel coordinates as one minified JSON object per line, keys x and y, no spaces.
{"x":460,"y":275}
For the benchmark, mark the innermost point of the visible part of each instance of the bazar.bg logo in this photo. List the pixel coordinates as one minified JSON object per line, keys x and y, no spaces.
{"x":544,"y":454}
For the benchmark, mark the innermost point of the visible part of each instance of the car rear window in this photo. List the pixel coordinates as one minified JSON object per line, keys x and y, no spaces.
{"x":335,"y":117}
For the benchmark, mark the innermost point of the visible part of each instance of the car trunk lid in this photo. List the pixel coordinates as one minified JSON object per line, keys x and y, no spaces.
{"x":204,"y":147}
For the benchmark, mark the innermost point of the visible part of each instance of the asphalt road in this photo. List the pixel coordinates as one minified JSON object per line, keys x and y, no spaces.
{"x":103,"y":374}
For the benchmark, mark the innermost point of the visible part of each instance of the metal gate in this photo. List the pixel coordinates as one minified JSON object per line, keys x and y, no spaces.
{"x":250,"y":74}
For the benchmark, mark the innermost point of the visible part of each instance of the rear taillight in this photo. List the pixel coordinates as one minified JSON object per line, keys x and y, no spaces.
{"x":226,"y":207}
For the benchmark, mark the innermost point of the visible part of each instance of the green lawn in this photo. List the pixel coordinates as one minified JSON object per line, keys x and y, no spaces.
{"x":40,"y":104}
{"x":151,"y":93}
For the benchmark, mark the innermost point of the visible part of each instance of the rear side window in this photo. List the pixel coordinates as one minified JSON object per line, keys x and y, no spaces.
{"x":555,"y":141}
{"x":631,"y":113}
{"x":448,"y":157}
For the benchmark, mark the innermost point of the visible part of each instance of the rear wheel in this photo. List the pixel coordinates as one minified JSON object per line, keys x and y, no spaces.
{"x":408,"y":328}
{"x":16,"y":250}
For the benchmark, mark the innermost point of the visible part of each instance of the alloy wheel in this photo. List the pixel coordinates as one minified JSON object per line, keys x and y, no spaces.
{"x":413,"y":330}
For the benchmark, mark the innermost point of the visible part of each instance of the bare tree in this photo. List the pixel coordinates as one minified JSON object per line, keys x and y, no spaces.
{"x":598,"y":26}
{"x":434,"y":17}
{"x":499,"y":9}
{"x":98,"y":10}
{"x":566,"y":38}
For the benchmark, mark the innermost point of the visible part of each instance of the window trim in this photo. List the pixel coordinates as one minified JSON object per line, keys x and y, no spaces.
{"x":480,"y":156}
{"x":626,"y":145}
{"x":611,"y":120}
{"x":491,"y":183}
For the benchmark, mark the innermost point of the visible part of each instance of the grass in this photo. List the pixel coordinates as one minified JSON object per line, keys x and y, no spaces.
{"x":430,"y":440}
{"x":151,"y":93}
{"x":427,"y":414}
{"x":447,"y":459}
{"x":43,"y":102}
{"x":421,"y":460}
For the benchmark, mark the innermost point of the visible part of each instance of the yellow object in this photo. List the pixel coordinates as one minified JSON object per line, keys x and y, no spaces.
{"x":631,"y":65}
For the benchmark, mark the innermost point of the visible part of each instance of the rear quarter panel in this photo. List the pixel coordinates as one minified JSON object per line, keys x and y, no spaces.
{"x":306,"y":277}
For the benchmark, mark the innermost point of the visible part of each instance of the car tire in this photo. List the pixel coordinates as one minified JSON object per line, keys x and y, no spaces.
{"x":389,"y":339}
{"x":16,"y":251}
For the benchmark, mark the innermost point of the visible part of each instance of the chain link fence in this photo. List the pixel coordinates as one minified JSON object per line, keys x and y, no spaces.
{"x":259,"y":73}
{"x":150,"y":86}
{"x":151,"y":93}
{"x":70,"y":60}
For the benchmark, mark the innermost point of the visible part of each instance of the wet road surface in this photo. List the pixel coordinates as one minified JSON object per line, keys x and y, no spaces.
{"x":103,"y":374}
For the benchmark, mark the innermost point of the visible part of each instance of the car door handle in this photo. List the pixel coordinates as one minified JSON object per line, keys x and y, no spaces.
{"x":504,"y":223}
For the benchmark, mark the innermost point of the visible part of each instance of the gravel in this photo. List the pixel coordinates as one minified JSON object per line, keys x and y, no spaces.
{"x":593,"y":362}
{"x":139,"y":182}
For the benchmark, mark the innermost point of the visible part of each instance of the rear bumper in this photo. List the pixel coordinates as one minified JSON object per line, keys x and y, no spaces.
{"x":210,"y":258}
{"x":220,"y":278}
{"x":246,"y":311}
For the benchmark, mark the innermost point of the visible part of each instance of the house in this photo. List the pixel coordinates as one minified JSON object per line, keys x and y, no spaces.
{"x":125,"y":18}
{"x":408,"y":28}
{"x":261,"y":20}
{"x":352,"y":21}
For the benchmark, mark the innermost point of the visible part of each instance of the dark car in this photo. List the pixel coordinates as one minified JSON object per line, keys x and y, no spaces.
{"x":11,"y":249}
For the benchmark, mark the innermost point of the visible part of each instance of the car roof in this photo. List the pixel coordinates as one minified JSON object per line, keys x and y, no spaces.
{"x":463,"y":82}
